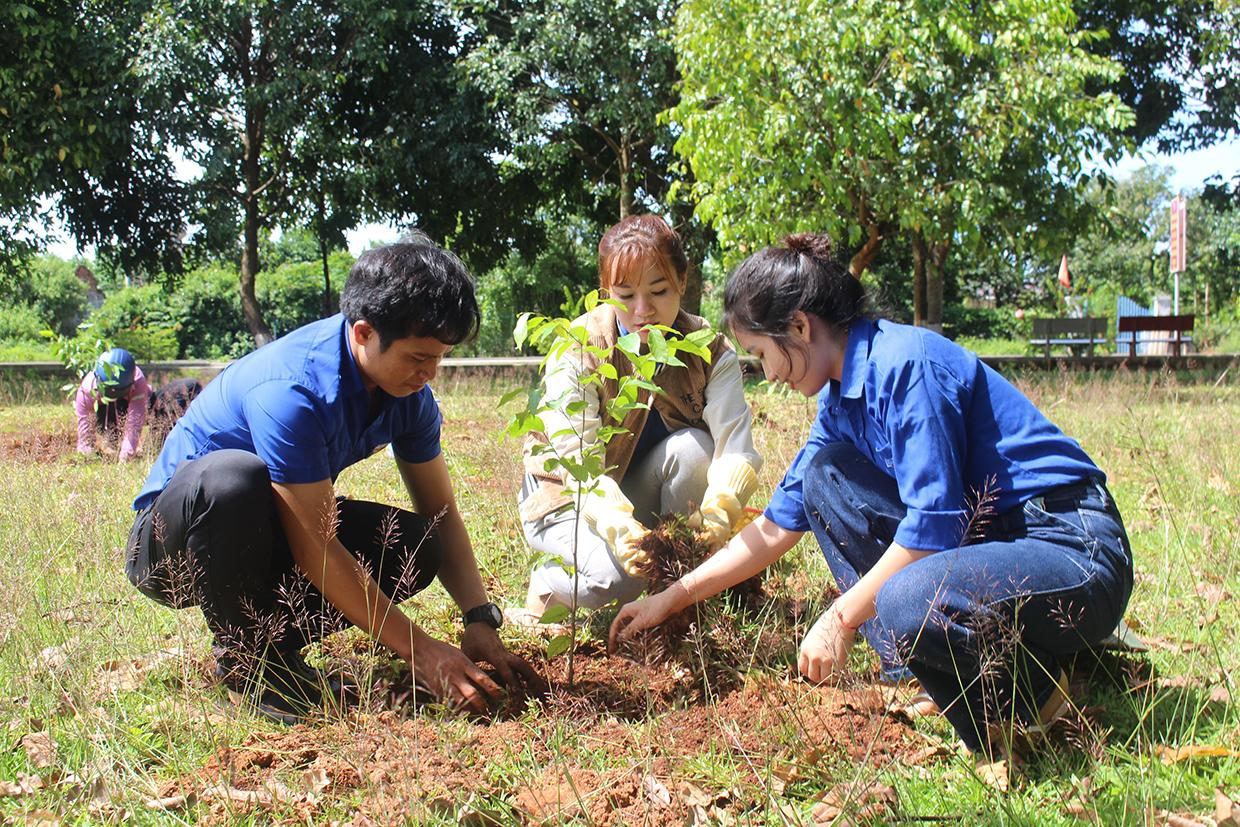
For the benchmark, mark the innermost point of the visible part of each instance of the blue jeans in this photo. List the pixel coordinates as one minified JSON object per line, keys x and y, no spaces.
{"x":985,"y":627}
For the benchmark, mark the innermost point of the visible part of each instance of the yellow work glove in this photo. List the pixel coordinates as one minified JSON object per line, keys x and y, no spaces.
{"x":610,"y":514}
{"x":730,"y":482}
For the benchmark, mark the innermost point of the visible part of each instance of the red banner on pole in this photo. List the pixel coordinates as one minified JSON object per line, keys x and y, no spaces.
{"x":1179,"y":233}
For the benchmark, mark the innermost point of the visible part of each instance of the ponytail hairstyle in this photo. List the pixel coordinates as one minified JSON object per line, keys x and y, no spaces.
{"x":768,"y":288}
{"x":636,"y":241}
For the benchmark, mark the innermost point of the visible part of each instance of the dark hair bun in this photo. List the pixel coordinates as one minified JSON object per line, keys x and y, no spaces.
{"x":814,"y":245}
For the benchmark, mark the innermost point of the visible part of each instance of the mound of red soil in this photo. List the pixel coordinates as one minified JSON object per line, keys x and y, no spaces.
{"x":36,"y":446}
{"x":398,"y":765}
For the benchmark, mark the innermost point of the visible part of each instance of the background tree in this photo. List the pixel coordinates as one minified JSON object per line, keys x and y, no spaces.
{"x":948,"y":124}
{"x":321,"y":114}
{"x":1179,"y":59}
{"x":580,"y":86}
{"x":78,"y":140}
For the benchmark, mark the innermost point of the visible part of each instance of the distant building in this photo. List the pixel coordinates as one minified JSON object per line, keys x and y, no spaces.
{"x":94,"y":296}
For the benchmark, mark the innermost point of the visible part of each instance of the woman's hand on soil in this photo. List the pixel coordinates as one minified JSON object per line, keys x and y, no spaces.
{"x":452,"y":677}
{"x":481,"y":643}
{"x":643,"y":614}
{"x":825,"y":648}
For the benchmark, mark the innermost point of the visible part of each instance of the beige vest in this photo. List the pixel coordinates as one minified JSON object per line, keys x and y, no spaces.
{"x":681,"y":404}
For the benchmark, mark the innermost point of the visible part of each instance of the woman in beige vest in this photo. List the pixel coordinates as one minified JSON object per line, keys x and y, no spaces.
{"x":693,"y":446}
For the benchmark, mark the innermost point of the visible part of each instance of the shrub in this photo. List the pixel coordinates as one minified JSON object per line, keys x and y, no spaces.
{"x":292,"y":294}
{"x":207,"y":308}
{"x":983,"y":323}
{"x":148,"y":344}
{"x":20,"y":323}
{"x":54,"y":293}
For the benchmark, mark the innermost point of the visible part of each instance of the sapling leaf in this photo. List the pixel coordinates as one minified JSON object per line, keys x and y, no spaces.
{"x":608,"y":370}
{"x":511,"y":395}
{"x":630,"y":343}
{"x":575,"y":407}
{"x":590,"y":300}
{"x":558,"y":645}
{"x":522,"y":329}
{"x":658,"y":345}
{"x":554,"y":614}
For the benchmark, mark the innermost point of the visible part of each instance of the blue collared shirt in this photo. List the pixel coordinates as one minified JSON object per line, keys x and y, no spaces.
{"x":943,"y":424}
{"x":299,"y":403}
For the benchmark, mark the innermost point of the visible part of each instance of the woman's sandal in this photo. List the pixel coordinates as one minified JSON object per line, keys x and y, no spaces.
{"x":1053,"y":710}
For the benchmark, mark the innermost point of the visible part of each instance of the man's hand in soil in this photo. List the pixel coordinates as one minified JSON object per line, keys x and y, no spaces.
{"x":646,"y":613}
{"x":825,"y":648}
{"x":481,"y":643}
{"x":455,"y":679}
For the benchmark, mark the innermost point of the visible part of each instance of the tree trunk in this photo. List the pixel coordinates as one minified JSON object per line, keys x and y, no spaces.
{"x":322,"y":233}
{"x":934,"y":286}
{"x":626,"y":187}
{"x":934,"y":295}
{"x":251,"y":149}
{"x":920,"y":258}
{"x":697,"y":241}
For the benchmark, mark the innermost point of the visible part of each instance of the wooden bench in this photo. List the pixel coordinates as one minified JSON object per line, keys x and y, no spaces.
{"x":1073,"y":333}
{"x":1177,"y":325}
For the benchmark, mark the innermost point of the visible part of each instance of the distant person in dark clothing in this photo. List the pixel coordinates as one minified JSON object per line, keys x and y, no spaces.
{"x":168,"y":404}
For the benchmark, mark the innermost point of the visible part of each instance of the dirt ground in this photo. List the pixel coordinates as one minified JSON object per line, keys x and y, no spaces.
{"x":37,"y":446}
{"x":399,"y":762}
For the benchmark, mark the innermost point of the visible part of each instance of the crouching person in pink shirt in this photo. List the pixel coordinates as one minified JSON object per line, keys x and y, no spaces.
{"x":112,"y":401}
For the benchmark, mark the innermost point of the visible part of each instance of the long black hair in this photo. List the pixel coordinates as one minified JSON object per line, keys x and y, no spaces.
{"x":768,"y":288}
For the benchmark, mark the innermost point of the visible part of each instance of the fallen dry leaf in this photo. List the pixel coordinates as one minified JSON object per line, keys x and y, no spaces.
{"x":1226,"y":809}
{"x":855,"y":803}
{"x":316,"y":780}
{"x":1212,"y":593}
{"x":926,"y":754}
{"x":171,"y":802}
{"x":993,"y":775}
{"x":1220,"y":695}
{"x":42,"y":818}
{"x":1179,"y":820}
{"x":656,"y":791}
{"x":23,"y":786}
{"x":40,"y":749}
{"x":54,"y":658}
{"x":221,"y":792}
{"x":1174,"y":755}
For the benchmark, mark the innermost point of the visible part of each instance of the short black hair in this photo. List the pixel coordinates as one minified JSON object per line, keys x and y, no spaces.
{"x":766,"y":289}
{"x":412,"y":288}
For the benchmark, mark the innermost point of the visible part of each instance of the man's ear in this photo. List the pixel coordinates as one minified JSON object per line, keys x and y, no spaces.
{"x":361,"y":331}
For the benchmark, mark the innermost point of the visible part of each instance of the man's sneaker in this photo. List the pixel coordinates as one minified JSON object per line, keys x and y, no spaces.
{"x":281,"y":687}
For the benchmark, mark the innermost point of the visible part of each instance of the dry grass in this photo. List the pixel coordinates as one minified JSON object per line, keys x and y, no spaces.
{"x":105,"y":704}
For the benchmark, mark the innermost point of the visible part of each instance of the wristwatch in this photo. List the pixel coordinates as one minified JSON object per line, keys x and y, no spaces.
{"x":487,"y":613}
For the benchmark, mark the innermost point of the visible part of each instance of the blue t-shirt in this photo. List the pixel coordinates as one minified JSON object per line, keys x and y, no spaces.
{"x":939,"y":421}
{"x":299,"y":403}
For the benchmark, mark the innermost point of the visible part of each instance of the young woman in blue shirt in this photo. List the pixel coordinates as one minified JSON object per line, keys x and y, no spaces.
{"x":974,"y":544}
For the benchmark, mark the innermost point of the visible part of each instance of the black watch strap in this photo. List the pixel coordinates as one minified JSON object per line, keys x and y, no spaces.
{"x":487,"y":613}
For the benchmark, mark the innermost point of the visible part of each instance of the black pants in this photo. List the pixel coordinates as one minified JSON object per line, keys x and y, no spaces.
{"x":213,"y":539}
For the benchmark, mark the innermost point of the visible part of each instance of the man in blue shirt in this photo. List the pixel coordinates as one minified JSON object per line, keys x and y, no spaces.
{"x":239,"y":516}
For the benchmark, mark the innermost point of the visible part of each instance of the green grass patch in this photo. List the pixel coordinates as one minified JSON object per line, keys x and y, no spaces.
{"x":106,"y":703}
